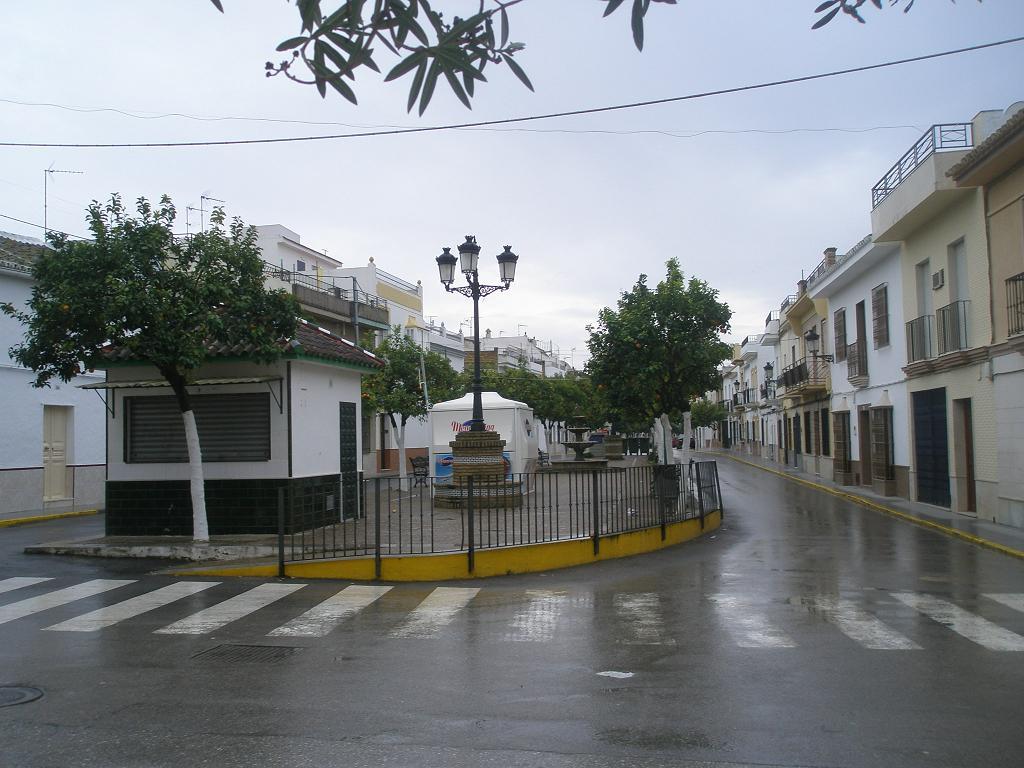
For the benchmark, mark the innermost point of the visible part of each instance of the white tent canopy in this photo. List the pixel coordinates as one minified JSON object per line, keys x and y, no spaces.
{"x":511,"y":419}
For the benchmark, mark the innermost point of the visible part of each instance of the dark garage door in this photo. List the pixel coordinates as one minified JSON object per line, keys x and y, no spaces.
{"x":931,"y":446}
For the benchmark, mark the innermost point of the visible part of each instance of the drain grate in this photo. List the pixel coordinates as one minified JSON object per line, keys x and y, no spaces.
{"x":246,"y":654}
{"x":11,"y":695}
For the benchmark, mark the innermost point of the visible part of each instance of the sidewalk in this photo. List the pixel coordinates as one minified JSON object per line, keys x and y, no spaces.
{"x":985,"y":533}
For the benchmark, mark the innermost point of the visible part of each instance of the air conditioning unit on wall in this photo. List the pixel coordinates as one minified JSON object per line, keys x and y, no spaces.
{"x":938,"y":279}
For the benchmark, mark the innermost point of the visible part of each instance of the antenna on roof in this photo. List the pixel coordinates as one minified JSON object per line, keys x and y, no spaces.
{"x":46,"y":201}
{"x":202,"y":208}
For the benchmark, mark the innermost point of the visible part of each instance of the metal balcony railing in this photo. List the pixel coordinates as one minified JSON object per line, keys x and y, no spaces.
{"x":938,"y":138}
{"x":951,"y":324}
{"x":919,"y":339}
{"x":339,"y":287}
{"x":805,"y":372}
{"x":1015,"y":304}
{"x":788,"y":302}
{"x":856,"y":360}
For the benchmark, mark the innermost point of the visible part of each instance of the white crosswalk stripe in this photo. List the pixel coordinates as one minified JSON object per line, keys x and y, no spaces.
{"x":436,"y":611}
{"x":749,"y":629}
{"x":537,"y":621}
{"x":964,"y":623}
{"x":59,"y":597}
{"x":1015,"y":601}
{"x":232,"y":609}
{"x":861,"y":626}
{"x":319,"y":620}
{"x":112,"y":614}
{"x":642,"y":615}
{"x":17,"y":582}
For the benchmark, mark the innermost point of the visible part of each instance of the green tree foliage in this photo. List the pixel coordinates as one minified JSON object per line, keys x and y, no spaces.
{"x":156,"y":297}
{"x":334,"y":44}
{"x":659,"y":348}
{"x":704,"y":413}
{"x":397,"y":388}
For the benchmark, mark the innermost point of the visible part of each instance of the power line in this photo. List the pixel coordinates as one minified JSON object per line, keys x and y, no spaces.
{"x":677,"y":134}
{"x":40,"y":226}
{"x":511,"y":120}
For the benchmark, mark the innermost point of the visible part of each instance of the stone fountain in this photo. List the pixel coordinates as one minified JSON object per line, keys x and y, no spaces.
{"x":577,"y":426}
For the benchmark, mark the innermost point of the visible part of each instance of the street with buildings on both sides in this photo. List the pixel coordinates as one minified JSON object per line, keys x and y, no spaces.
{"x":807,"y":631}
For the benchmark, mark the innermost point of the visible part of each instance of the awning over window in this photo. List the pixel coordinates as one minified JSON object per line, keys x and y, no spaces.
{"x":163,"y":382}
{"x":158,"y":383}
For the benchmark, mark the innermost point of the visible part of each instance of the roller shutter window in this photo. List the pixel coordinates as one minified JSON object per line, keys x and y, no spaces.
{"x":880,"y":315}
{"x":231,"y":428}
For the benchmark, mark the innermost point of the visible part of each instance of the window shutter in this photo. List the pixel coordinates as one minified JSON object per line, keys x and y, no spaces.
{"x":231,"y":428}
{"x":880,"y":315}
{"x":839,"y":323}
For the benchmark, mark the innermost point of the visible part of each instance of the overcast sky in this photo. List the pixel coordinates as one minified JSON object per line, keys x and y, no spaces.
{"x":587,"y":202}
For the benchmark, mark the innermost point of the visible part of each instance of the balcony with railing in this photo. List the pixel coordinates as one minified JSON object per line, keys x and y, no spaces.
{"x":916,"y":189}
{"x":951,"y":326}
{"x":920,"y":339}
{"x":939,"y":138}
{"x":1015,"y":304}
{"x":857,"y":363}
{"x":771,"y":328}
{"x":806,"y":374}
{"x":338,"y":295}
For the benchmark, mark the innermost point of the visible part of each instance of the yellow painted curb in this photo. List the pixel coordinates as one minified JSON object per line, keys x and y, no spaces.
{"x":503,"y":561}
{"x":993,"y":545}
{"x":42,"y":518}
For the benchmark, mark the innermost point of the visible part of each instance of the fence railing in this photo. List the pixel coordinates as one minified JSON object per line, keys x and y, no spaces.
{"x":414,"y":516}
{"x":805,"y":372}
{"x":938,"y":138}
{"x":1015,"y":304}
{"x":339,"y":287}
{"x":919,"y":339}
{"x":951,"y":322}
{"x":856,"y":360}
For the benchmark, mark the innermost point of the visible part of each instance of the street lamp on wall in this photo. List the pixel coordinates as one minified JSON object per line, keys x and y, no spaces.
{"x":814,"y":344}
{"x":468,"y":262}
{"x":769,"y":381}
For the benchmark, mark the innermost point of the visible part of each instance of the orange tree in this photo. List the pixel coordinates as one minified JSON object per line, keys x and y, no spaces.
{"x":155,"y":297}
{"x":659,"y":348}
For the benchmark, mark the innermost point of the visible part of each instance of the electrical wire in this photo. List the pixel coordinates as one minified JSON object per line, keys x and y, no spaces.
{"x":40,"y":226}
{"x":511,"y":120}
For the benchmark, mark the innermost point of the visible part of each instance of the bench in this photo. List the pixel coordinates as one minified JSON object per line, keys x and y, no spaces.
{"x":420,"y":469}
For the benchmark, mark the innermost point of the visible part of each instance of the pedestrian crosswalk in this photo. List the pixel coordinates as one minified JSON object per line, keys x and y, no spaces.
{"x":875,"y":620}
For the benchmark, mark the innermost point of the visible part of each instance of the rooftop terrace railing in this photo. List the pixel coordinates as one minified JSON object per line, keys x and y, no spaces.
{"x":945,"y":137}
{"x":340,"y":287}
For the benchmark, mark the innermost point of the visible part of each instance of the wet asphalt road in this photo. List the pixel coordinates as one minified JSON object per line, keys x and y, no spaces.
{"x":806,"y":632}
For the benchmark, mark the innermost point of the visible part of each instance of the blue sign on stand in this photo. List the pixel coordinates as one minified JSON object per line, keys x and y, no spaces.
{"x":443,"y":465}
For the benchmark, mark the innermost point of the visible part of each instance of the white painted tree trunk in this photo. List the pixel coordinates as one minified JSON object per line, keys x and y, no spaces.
{"x":401,"y":452}
{"x":200,"y":528}
{"x":665,"y":452}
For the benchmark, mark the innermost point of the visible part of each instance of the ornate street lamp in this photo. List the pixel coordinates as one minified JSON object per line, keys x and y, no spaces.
{"x":813,"y":344}
{"x":469,"y":252}
{"x":769,"y":381}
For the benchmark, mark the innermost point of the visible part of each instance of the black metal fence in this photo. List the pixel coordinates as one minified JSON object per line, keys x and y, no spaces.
{"x":422,"y":515}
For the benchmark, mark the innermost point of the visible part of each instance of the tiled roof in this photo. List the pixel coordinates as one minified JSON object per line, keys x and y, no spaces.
{"x":309,"y":341}
{"x":23,"y":252}
{"x":988,"y":146}
{"x":317,"y":342}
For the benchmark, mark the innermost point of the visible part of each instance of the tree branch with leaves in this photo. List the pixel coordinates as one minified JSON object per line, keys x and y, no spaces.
{"x":333,"y":45}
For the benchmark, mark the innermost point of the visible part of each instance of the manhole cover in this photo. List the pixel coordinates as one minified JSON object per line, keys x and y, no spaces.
{"x":18,"y":694}
{"x":247,"y":654}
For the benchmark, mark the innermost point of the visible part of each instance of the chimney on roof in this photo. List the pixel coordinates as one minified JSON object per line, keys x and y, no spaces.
{"x":487,"y":335}
{"x":830,"y":257}
{"x":801,"y":287}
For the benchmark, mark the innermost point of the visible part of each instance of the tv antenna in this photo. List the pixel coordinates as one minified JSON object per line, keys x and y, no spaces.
{"x":202,"y":208}
{"x":46,"y":195}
